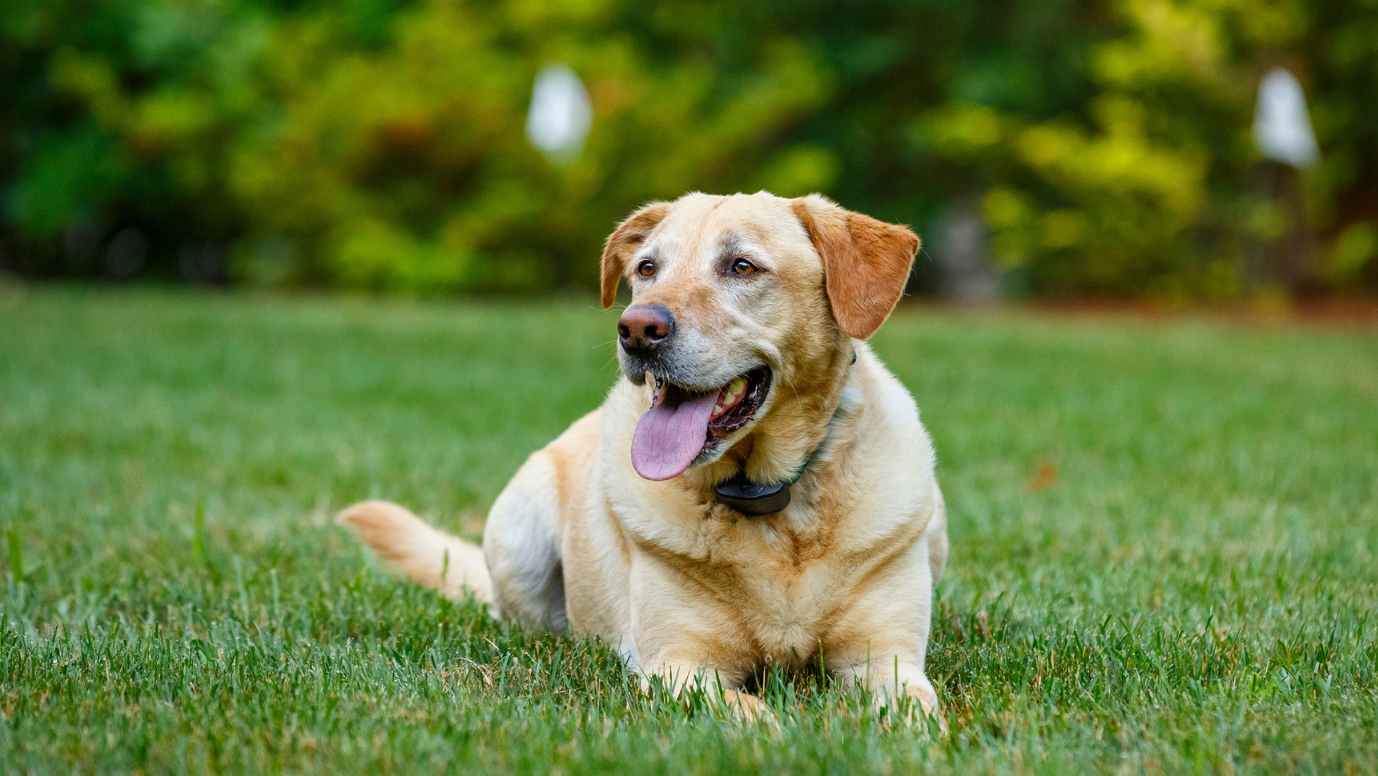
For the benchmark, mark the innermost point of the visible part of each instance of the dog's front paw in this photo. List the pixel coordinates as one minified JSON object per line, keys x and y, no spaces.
{"x":744,"y":707}
{"x":923,"y":705}
{"x":916,"y":708}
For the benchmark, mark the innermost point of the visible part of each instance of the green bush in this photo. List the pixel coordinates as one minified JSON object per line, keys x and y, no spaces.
{"x":379,"y":145}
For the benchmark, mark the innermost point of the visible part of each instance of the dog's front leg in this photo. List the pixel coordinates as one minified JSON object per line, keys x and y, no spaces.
{"x":887,"y":630}
{"x":689,"y":642}
{"x":894,"y":682}
{"x":722,"y":688}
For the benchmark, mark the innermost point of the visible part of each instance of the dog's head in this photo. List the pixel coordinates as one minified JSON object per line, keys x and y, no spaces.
{"x":737,"y":300}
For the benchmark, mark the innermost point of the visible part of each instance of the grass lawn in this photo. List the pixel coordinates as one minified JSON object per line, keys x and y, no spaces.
{"x":1164,"y":539}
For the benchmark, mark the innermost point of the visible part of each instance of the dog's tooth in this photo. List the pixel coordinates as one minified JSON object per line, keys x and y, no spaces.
{"x":735,"y":387}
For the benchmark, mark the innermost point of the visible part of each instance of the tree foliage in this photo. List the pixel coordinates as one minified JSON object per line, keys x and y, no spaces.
{"x":378,"y":144}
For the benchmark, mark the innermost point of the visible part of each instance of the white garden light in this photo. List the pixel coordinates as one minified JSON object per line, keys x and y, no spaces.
{"x":1282,"y":127}
{"x":560,"y":115}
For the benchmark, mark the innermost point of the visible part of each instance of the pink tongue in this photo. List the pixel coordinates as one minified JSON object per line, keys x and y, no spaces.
{"x":670,"y":435}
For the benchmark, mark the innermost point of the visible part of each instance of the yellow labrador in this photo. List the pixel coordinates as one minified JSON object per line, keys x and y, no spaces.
{"x":756,"y":488}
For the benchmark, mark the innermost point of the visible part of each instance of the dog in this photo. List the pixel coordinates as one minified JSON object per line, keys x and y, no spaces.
{"x":755,"y":489}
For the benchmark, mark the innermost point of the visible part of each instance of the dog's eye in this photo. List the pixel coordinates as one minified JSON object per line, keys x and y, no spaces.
{"x":646,"y":269}
{"x":743,"y":267}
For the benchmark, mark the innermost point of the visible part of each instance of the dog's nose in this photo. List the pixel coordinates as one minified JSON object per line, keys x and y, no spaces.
{"x":644,"y":327}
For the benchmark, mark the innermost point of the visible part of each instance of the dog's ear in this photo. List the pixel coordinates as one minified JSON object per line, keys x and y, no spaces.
{"x":625,"y":238}
{"x":865,"y":262}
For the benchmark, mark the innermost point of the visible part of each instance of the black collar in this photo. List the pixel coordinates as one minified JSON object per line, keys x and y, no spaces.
{"x":753,"y":498}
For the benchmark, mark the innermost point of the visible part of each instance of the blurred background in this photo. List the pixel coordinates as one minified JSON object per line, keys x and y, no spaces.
{"x":1172,"y":150}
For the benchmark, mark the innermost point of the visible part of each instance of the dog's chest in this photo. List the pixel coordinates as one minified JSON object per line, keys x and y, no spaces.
{"x":788,"y":617}
{"x":789,"y":579}
{"x":784,"y":579}
{"x":781,"y":582}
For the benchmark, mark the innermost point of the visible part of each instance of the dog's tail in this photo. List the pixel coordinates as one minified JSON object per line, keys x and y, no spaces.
{"x":429,"y":556}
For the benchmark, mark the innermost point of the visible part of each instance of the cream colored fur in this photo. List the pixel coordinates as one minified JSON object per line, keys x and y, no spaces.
{"x":687,"y":589}
{"x":431,"y":557}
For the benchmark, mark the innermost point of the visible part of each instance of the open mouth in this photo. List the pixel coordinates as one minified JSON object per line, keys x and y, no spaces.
{"x":682,"y":424}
